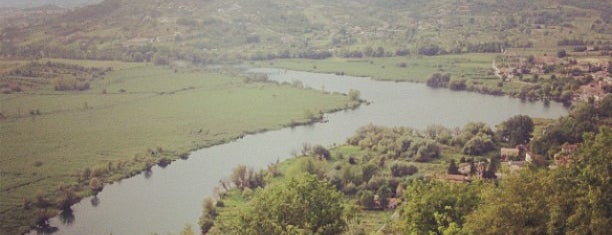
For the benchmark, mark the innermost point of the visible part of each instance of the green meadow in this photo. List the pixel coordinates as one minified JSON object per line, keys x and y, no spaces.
{"x":400,"y":68}
{"x":131,"y":118}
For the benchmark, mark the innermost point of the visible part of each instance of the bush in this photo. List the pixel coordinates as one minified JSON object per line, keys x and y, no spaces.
{"x":163,"y":162}
{"x":95,"y":184}
{"x":400,"y":169}
{"x":457,"y":85}
{"x":561,"y":53}
{"x":478,"y":145}
{"x":438,"y":80}
{"x":354,"y":95}
{"x":428,"y":152}
{"x":321,"y":151}
{"x":366,"y":199}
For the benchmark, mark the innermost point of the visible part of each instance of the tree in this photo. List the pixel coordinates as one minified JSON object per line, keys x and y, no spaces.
{"x":516,"y":130}
{"x":518,"y":206}
{"x":561,"y":53}
{"x":399,"y":169}
{"x":354,"y":95}
{"x":160,"y":59}
{"x":366,"y":199}
{"x":209,"y":213}
{"x":438,"y":80}
{"x":321,"y":152}
{"x":297,"y":205}
{"x":432,"y":207}
{"x":478,"y":145}
{"x":452,"y":168}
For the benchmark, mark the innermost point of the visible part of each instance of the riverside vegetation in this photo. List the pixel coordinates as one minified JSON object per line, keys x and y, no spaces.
{"x":67,"y":74}
{"x":391,"y":181}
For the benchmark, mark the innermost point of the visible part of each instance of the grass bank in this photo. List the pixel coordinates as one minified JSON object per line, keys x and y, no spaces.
{"x":133,"y":117}
{"x":399,"y":68}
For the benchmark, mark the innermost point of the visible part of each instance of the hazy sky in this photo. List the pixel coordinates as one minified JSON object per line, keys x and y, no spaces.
{"x":36,"y":3}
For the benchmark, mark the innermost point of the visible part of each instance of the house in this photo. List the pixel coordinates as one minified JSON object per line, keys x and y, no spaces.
{"x":568,"y":148}
{"x":508,"y":153}
{"x":564,"y":158}
{"x":529,"y":157}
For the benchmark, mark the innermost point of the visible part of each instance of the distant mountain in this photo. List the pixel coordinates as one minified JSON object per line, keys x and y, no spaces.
{"x":38,"y":3}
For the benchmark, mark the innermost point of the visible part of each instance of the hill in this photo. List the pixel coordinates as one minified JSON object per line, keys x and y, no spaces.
{"x":221,"y":31}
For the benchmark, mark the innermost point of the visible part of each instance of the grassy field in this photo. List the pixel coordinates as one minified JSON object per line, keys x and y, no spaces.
{"x":133,"y":116}
{"x":408,"y":68}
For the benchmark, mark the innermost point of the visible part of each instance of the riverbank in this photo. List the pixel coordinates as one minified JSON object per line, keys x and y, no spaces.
{"x":535,"y":80}
{"x":175,"y":190}
{"x":130,"y":119}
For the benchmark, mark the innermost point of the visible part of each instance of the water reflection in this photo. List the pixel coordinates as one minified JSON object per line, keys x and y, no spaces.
{"x":95,"y":201}
{"x":67,"y":217}
{"x":148,"y":173}
{"x":47,"y":229}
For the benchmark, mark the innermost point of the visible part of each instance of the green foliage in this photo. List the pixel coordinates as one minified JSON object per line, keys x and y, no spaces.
{"x":399,"y":169}
{"x":366,"y":199}
{"x":516,"y":130}
{"x":574,"y":199}
{"x":354,"y":95}
{"x":583,"y":118}
{"x":298,"y":205}
{"x":435,"y":207}
{"x":244,"y":177}
{"x":321,"y":152}
{"x":438,"y":80}
{"x":479,"y":145}
{"x":452,"y":167}
{"x":209,"y":213}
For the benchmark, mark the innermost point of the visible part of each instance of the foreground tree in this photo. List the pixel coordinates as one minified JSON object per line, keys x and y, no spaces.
{"x":516,"y":130}
{"x":432,"y":207}
{"x":296,"y":206}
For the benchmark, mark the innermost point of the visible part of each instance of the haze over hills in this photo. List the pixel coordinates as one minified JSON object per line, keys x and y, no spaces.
{"x":262,"y":29}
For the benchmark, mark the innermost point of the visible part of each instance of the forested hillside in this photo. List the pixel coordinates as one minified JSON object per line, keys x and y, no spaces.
{"x":221,"y":31}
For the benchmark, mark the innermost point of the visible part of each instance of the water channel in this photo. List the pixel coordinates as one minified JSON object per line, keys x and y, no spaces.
{"x":168,"y":198}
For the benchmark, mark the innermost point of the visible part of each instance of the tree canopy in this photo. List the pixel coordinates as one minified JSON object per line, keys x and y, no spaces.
{"x":301,"y":205}
{"x":516,"y":130}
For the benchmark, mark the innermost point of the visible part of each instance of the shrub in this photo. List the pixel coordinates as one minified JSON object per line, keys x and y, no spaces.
{"x":163,"y":162}
{"x":438,"y":80}
{"x":561,"y":53}
{"x":457,"y":85}
{"x":321,"y":151}
{"x":95,"y":184}
{"x":366,"y":199}
{"x":399,"y":169}
{"x":354,"y":95}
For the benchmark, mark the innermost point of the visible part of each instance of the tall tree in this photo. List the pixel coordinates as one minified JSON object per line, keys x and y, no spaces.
{"x":432,"y":207}
{"x":298,"y":205}
{"x":516,"y":130}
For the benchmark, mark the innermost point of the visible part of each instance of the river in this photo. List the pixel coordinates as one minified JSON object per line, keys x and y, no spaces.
{"x":168,"y":198}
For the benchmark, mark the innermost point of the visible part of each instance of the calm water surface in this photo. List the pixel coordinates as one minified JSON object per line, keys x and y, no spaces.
{"x":168,"y":198}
